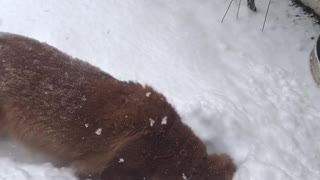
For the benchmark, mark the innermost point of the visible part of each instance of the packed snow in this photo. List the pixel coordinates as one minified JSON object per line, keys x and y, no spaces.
{"x":244,"y":92}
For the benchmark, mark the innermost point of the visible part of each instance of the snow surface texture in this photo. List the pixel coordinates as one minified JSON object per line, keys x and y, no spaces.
{"x":244,"y":92}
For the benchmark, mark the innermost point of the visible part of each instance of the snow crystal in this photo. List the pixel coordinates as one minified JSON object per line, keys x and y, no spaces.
{"x":83,"y":98}
{"x":121,"y":160}
{"x":152,"y":122}
{"x":99,"y":131}
{"x":164,"y":120}
{"x":126,"y":116}
{"x":86,"y":125}
{"x":148,"y":94}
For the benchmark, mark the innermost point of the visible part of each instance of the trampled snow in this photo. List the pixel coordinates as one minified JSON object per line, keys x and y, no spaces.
{"x":244,"y":92}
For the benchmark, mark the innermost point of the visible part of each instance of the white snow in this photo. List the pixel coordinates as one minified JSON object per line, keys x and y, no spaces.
{"x":16,"y":163}
{"x":184,"y":177}
{"x":148,"y":94}
{"x":164,"y":120}
{"x":152,"y":122}
{"x":121,"y":160}
{"x":98,"y":131}
{"x":21,"y":171}
{"x":86,"y":125}
{"x":246,"y":93}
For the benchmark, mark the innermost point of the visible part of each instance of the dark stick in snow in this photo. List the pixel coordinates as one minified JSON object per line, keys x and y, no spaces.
{"x":265,"y":19}
{"x":238,"y":9}
{"x":227,"y":11}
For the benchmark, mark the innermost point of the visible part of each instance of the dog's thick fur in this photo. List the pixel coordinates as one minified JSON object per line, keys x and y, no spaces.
{"x":82,"y":117}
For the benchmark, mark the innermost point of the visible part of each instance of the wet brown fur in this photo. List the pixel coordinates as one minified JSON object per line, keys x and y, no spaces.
{"x":56,"y":104}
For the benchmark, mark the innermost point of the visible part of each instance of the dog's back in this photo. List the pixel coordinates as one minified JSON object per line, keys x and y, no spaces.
{"x":70,"y":109}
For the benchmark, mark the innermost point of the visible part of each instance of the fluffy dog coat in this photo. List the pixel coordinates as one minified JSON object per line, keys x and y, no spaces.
{"x":82,"y":117}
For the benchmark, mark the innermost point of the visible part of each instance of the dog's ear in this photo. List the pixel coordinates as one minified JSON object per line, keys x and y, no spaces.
{"x":221,"y":167}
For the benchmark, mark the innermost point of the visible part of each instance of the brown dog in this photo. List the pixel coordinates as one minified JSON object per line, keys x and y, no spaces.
{"x":82,"y":117}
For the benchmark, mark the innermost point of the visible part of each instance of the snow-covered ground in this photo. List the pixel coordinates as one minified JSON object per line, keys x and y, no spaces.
{"x":244,"y":92}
